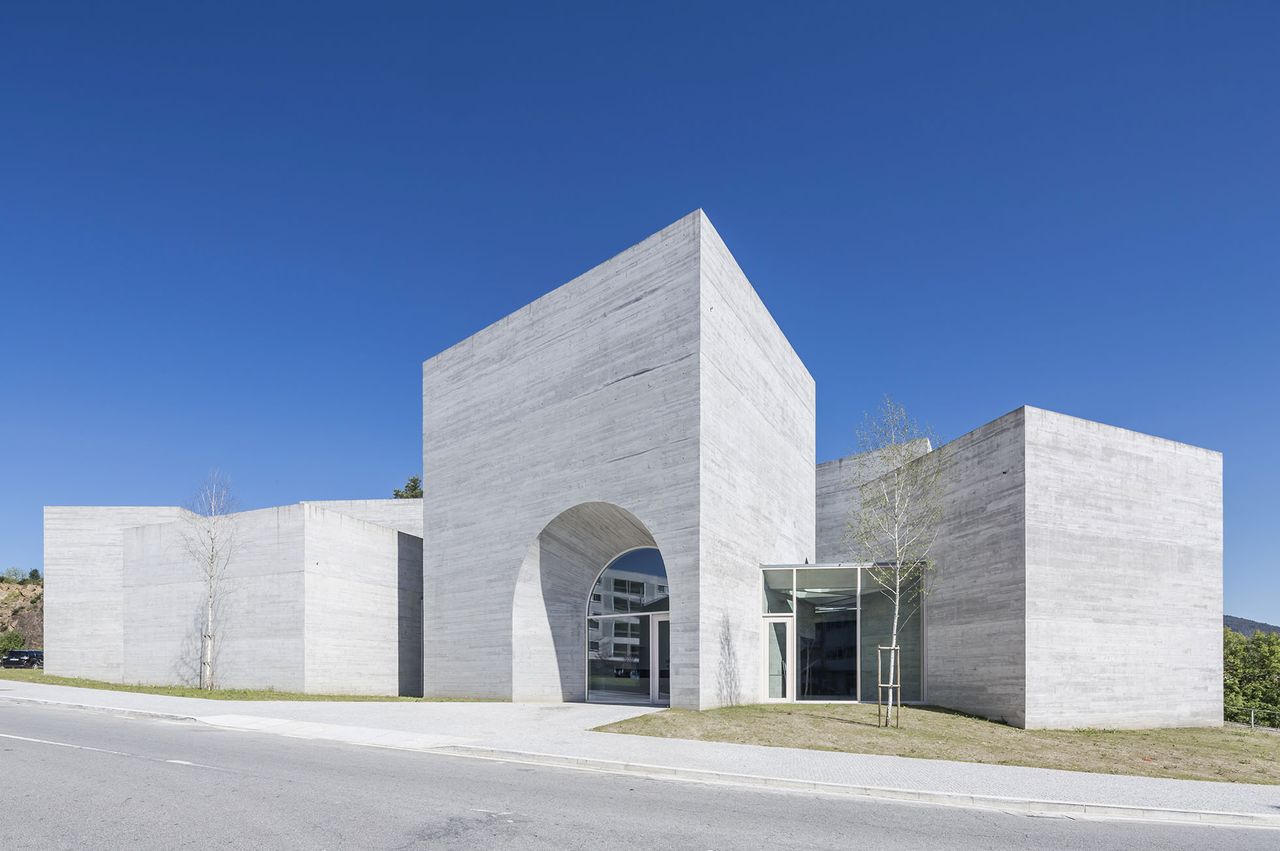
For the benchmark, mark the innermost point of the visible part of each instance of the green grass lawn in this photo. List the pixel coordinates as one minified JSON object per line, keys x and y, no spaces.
{"x":1232,"y":754}
{"x":34,"y":676}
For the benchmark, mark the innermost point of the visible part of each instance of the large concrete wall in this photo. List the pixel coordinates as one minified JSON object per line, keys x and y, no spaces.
{"x":1078,"y":574}
{"x":402,"y":514}
{"x":314,"y":599}
{"x":362,"y":632}
{"x":1124,"y":577}
{"x":259,"y":639}
{"x":609,"y":390}
{"x":587,"y":395}
{"x":84,"y":593}
{"x":973,"y":623}
{"x":756,"y":475}
{"x":975,"y":615}
{"x":839,"y":485}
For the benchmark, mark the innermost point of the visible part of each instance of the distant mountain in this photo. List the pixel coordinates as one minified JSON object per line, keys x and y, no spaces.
{"x":1248,"y":627}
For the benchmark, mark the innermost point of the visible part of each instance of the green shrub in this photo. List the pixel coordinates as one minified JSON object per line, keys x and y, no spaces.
{"x":11,"y":639}
{"x":1250,"y":671}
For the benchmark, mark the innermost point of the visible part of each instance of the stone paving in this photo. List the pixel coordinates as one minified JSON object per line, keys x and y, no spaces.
{"x":561,"y":733}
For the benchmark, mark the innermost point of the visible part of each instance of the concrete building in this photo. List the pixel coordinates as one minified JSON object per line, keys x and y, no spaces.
{"x":319,"y":597}
{"x":622,"y":503}
{"x":1079,"y":574}
{"x":651,"y":402}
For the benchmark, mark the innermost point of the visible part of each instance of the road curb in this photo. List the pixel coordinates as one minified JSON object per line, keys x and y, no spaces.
{"x":1114,"y":812}
{"x":952,"y":799}
{"x":90,"y":707}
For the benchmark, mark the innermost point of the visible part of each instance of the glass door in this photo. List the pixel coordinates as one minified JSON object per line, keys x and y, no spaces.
{"x":779,"y":659}
{"x":661,"y":666}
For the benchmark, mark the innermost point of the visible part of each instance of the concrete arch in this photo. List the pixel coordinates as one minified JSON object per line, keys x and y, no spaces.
{"x":548,"y":620}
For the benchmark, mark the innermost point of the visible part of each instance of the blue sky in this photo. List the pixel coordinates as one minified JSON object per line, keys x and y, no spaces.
{"x":230,"y":233}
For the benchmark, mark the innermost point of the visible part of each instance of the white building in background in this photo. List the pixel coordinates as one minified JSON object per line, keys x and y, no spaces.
{"x":622,"y":504}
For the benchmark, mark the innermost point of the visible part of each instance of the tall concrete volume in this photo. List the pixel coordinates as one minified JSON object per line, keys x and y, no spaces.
{"x":656,"y":384}
{"x":1124,"y":577}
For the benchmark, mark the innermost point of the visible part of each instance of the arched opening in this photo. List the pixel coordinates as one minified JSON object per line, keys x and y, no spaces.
{"x":629,"y":631}
{"x":553,"y":598}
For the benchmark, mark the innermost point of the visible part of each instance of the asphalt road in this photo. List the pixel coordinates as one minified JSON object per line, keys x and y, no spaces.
{"x":75,"y":779}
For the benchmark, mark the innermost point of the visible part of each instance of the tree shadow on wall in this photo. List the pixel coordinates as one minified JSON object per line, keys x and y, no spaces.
{"x":186,"y":667}
{"x":728,"y":682}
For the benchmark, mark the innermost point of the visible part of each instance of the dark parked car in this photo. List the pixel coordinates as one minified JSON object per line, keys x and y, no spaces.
{"x":22,"y":659}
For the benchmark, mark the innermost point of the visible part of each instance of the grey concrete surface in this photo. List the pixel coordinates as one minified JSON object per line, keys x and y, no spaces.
{"x":259,"y":640}
{"x":656,"y":383}
{"x":404,"y":515}
{"x":362,"y":631}
{"x":83,"y":586}
{"x":90,"y":782}
{"x":1078,"y":573}
{"x":318,"y":597}
{"x":315,"y":601}
{"x":975,"y":624}
{"x":587,"y":395}
{"x":839,"y":484}
{"x":975,"y":637}
{"x":1124,"y":577}
{"x":756,"y":460}
{"x":549,"y":641}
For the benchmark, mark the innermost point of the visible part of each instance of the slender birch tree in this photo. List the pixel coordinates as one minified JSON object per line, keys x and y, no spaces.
{"x":896,"y":522}
{"x":209,"y":540}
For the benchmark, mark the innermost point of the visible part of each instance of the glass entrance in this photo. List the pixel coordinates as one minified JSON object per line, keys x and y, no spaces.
{"x":629,"y":631}
{"x":822,"y":625}
{"x":779,"y":653}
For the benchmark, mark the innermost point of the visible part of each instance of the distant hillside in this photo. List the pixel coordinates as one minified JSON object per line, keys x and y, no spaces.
{"x":22,"y":608}
{"x":1247,"y":627}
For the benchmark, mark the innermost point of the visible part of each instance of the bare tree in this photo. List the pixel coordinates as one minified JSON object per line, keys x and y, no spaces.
{"x":896,"y":523}
{"x":209,"y":539}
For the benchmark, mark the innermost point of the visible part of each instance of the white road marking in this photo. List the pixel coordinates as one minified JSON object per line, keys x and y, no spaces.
{"x":107,"y":751}
{"x":63,"y":744}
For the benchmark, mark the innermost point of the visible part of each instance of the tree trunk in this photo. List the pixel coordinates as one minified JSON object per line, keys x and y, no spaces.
{"x":206,"y":642}
{"x":895,"y":676}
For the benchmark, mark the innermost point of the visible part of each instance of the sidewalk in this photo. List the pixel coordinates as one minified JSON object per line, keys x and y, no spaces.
{"x":560,"y":734}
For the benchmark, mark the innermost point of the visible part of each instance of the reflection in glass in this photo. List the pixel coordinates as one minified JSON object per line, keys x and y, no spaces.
{"x":777,"y":592}
{"x":618,"y":669}
{"x":826,"y":602}
{"x":634,"y":583}
{"x":877,"y":630}
{"x":620,"y":631}
{"x":664,"y":660}
{"x":776,"y":651}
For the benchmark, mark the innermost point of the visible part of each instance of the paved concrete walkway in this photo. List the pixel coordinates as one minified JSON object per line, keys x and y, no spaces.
{"x":560,"y":734}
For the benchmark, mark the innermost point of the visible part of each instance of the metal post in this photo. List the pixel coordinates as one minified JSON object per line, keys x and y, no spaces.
{"x":1251,"y":718}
